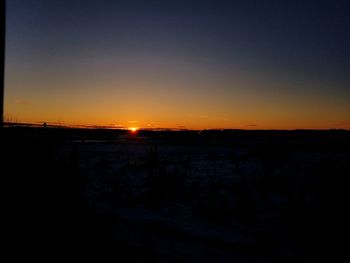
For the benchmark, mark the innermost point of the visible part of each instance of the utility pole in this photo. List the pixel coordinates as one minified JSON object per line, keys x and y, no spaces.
{"x":2,"y":59}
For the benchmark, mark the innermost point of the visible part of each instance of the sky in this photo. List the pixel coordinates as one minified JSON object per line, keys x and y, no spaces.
{"x":179,"y":64}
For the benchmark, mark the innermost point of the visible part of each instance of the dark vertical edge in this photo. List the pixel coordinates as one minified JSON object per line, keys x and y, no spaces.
{"x":2,"y":59}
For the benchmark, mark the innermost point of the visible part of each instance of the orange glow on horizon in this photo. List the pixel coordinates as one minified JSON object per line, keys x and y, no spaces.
{"x":132,"y":74}
{"x":133,"y":129}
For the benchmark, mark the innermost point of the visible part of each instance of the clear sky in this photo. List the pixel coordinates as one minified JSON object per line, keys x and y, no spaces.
{"x":189,"y":64}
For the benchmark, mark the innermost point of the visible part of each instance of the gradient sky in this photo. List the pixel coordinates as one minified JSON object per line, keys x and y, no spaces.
{"x":179,"y":64}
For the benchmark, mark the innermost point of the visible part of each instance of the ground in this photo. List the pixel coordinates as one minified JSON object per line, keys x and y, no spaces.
{"x":211,"y":196}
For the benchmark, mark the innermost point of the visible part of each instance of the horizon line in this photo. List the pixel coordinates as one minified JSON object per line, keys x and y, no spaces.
{"x":111,"y":127}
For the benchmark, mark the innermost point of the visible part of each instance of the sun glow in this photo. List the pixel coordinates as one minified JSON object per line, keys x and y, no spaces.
{"x":133,"y":129}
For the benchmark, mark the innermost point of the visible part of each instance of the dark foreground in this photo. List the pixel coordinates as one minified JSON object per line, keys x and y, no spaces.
{"x":214,"y":196}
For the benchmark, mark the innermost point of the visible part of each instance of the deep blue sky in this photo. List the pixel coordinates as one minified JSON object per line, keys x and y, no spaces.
{"x":285,"y":57}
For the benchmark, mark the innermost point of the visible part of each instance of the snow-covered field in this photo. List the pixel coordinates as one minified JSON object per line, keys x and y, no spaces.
{"x":206,"y":201}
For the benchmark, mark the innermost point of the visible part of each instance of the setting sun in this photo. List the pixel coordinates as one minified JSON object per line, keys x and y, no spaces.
{"x":133,"y":129}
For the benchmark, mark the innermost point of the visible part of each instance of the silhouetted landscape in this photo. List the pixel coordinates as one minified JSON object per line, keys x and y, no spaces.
{"x":177,"y":196}
{"x":206,"y":131}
